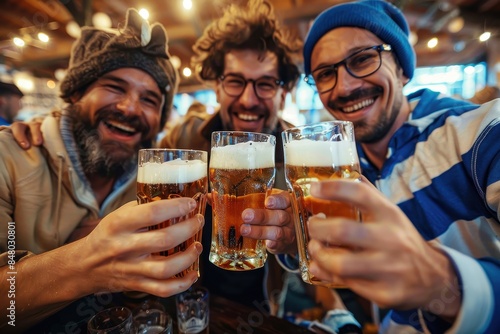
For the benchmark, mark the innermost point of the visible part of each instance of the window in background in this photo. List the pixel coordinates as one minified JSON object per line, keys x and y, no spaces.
{"x":461,"y":81}
{"x":206,"y":97}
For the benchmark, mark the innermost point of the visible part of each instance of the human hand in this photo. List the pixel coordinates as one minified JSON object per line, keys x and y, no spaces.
{"x":383,"y":259}
{"x":118,"y":254}
{"x":27,"y":133}
{"x":273,"y":224}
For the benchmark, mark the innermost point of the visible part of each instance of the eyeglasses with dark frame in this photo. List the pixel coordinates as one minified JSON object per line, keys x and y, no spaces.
{"x":264,"y":87}
{"x":359,"y":64}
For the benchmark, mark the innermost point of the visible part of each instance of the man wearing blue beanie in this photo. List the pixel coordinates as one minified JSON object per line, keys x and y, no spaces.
{"x":428,"y":249}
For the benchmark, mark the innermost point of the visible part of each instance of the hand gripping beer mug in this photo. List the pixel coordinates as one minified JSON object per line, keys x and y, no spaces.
{"x":313,"y":153}
{"x":241,"y":175}
{"x":167,"y":174}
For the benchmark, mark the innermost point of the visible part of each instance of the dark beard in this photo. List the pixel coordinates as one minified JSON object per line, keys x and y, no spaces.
{"x":371,"y":133}
{"x":99,"y":158}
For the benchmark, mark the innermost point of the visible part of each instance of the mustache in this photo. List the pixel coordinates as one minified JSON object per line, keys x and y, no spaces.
{"x":355,"y":95}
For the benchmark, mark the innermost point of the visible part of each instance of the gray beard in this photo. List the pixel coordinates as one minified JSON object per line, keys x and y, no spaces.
{"x":98,"y":158}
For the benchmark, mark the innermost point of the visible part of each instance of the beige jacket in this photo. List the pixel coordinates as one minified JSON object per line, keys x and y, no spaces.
{"x":41,"y":192}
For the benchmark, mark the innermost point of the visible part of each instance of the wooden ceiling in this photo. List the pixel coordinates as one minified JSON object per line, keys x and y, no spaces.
{"x":28,"y":17}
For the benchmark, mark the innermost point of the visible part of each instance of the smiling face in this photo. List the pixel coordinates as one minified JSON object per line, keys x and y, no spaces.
{"x":248,"y":112}
{"x":116,"y":115}
{"x":375,"y":104}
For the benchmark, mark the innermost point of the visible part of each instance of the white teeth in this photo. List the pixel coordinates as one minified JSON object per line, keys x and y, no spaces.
{"x":358,"y":106}
{"x":122,"y":126}
{"x":248,"y":117}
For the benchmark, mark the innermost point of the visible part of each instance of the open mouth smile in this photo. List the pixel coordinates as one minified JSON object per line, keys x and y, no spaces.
{"x":358,"y":106}
{"x":248,"y":117}
{"x":120,"y":128}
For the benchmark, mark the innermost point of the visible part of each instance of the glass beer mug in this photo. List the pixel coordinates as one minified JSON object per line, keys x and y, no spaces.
{"x":241,"y":175}
{"x":170,"y":173}
{"x":313,"y":153}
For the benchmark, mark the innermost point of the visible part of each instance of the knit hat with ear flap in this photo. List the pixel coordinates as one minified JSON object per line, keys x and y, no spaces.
{"x":380,"y":17}
{"x":138,"y":45}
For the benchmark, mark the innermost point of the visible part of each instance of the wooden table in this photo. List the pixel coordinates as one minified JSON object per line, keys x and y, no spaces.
{"x":226,"y":317}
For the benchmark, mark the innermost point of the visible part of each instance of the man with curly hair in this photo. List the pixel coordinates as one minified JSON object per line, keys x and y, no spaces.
{"x":248,"y":58}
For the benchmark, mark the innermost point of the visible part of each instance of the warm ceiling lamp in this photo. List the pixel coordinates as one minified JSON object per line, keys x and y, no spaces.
{"x":101,"y":20}
{"x":19,"y":42}
{"x":413,"y":38}
{"x":485,"y":36}
{"x":73,"y":29}
{"x":432,"y":43}
{"x":187,"y":4}
{"x":43,"y":37}
{"x":456,"y":24}
{"x":176,"y":62}
{"x":144,"y":13}
{"x":186,"y":72}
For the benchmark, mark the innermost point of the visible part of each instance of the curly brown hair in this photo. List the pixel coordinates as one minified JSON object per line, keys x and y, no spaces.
{"x":254,"y":27}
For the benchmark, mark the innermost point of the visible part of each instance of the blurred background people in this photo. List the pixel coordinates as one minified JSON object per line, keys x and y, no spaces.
{"x":182,"y":130}
{"x":10,"y":102}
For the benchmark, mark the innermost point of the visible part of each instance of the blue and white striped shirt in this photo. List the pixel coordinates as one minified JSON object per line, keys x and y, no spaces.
{"x":443,"y":171}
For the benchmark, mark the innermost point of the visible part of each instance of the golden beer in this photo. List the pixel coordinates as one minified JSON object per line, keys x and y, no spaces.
{"x":237,"y":184}
{"x":308,"y":161}
{"x":174,"y":179}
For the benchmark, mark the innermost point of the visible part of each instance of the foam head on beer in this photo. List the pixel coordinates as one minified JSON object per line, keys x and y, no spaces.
{"x":307,"y":152}
{"x":248,"y":155}
{"x":172,"y":172}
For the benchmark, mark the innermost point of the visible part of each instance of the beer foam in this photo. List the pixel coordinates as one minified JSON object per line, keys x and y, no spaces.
{"x":169,"y":172}
{"x":249,"y":155}
{"x":320,"y":153}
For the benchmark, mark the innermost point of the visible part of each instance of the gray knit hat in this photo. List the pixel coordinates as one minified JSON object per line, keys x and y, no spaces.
{"x":380,"y":17}
{"x":138,"y":45}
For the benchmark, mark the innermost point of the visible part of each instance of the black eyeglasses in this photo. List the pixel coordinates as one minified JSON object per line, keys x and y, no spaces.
{"x":264,"y":87}
{"x":360,"y":64}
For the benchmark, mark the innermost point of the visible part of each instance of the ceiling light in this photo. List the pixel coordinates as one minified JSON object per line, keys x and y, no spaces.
{"x":25,"y":84}
{"x":51,"y":84}
{"x":485,"y":36}
{"x":176,"y":62}
{"x":413,"y":38}
{"x":456,"y":24}
{"x":19,"y":42}
{"x":187,"y":4}
{"x":73,"y":29}
{"x":186,"y":72}
{"x":432,"y":43}
{"x":101,"y":20}
{"x":43,"y":37}
{"x":144,"y":13}
{"x":59,"y":74}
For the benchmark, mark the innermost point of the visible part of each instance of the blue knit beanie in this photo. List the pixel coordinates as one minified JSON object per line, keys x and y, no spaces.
{"x":383,"y":19}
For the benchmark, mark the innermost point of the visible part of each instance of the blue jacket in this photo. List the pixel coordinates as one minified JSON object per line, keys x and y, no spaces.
{"x":443,"y":171}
